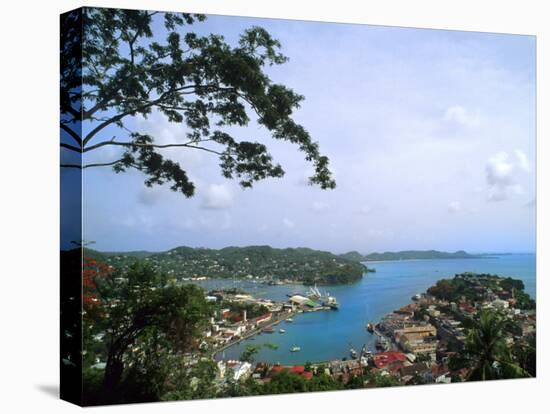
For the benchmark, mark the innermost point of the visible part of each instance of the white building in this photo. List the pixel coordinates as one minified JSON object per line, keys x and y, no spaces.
{"x":240,"y":369}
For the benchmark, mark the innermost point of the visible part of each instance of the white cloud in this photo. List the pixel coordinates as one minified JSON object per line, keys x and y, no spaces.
{"x":149,"y":196}
{"x":319,"y":206}
{"x":459,"y":115}
{"x":289,"y":224}
{"x":500,"y":175}
{"x":454,"y":207}
{"x":522,"y":160}
{"x":218,"y":197}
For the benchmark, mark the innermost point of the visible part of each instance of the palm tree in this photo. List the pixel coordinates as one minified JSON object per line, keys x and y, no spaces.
{"x":486,"y":352}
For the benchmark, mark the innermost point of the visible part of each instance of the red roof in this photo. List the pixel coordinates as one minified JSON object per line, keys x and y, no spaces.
{"x":277,"y":368}
{"x":383,"y":359}
{"x":298,"y":369}
{"x":307,"y":375}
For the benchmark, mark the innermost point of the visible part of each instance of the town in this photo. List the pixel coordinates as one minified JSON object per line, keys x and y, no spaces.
{"x":415,"y":344}
{"x":239,"y":315}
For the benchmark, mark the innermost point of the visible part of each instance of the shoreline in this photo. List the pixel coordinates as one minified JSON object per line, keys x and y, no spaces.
{"x":254,"y":332}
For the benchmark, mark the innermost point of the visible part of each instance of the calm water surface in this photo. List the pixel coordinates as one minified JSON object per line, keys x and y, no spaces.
{"x":329,"y":335}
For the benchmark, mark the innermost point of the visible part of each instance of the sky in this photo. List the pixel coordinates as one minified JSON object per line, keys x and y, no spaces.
{"x":430,"y":135}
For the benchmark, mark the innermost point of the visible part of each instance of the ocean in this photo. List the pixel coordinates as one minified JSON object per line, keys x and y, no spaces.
{"x":329,"y":335}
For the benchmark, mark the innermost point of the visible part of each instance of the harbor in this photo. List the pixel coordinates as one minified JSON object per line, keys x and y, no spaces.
{"x":327,"y":335}
{"x":228,"y":333}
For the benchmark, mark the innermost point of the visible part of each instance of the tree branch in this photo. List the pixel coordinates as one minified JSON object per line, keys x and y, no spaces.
{"x":133,"y":144}
{"x":149,"y":104}
{"x":100,"y":164}
{"x":73,"y":134}
{"x":71,"y":147}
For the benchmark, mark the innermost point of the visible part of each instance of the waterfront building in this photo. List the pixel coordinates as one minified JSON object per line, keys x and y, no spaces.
{"x":240,"y":369}
{"x":420,"y":330}
{"x":418,"y":339}
{"x":383,"y":360}
{"x":263,"y":318}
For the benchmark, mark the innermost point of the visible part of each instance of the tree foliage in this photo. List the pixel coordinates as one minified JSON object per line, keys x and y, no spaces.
{"x":251,"y":350}
{"x":485,"y":352}
{"x":140,"y":326}
{"x":115,"y":69}
{"x":301,"y":264}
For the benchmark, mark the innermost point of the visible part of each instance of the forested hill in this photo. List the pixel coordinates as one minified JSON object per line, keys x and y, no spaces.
{"x":297,"y":264}
{"x":419,"y":255}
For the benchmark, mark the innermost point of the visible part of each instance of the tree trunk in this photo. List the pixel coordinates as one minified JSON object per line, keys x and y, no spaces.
{"x":113,"y":375}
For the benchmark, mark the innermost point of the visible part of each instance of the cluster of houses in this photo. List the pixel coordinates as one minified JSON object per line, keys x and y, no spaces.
{"x":228,"y":327}
{"x":402,"y":366}
{"x":422,"y":337}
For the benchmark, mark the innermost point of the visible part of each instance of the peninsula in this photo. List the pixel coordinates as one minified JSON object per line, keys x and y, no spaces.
{"x":409,"y":255}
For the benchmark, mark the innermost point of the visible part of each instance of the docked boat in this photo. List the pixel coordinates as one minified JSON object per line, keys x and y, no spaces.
{"x":365,"y":352}
{"x":418,"y":296}
{"x":326,"y":300}
{"x":282,"y":331}
{"x":370,"y":327}
{"x":353,"y":353}
{"x":295,"y":349}
{"x":290,"y":320}
{"x":267,"y":330}
{"x":331,"y":302}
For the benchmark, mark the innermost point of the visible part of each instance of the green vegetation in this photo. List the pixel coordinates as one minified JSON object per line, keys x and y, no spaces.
{"x":251,"y":350}
{"x":487,"y":354}
{"x":353,"y":256}
{"x":264,"y":262}
{"x":253,"y":310}
{"x":144,"y":340}
{"x":115,"y":71}
{"x":141,"y":327}
{"x":475,"y":287}
{"x":419,"y":255}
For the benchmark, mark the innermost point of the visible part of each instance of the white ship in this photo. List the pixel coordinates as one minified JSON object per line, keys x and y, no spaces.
{"x":326,"y":300}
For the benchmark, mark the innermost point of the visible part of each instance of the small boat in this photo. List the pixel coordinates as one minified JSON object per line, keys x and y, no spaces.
{"x":290,"y":320}
{"x":370,"y":327}
{"x":365,"y":353}
{"x":267,"y":330}
{"x":353,"y":353}
{"x":418,"y":296}
{"x":295,"y":349}
{"x":282,"y":331}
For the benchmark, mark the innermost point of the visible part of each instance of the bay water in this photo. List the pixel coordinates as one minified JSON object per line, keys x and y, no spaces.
{"x":329,"y":335}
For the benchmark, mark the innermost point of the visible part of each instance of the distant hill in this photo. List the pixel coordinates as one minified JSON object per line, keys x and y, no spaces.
{"x":354,"y":256}
{"x":419,"y":255}
{"x":302,"y":265}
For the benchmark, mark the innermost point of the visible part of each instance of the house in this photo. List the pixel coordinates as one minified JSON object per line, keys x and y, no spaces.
{"x":298,"y":369}
{"x":263,"y":318}
{"x":384,"y":359}
{"x":240,"y":369}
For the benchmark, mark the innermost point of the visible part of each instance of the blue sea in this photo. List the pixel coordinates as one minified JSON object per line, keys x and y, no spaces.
{"x":328,"y":335}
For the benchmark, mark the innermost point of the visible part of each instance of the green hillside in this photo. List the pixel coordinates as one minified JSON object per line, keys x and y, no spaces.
{"x":302,"y":265}
{"x":419,"y":255}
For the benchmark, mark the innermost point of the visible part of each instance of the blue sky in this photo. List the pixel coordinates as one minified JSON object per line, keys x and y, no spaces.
{"x":431,"y":136}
